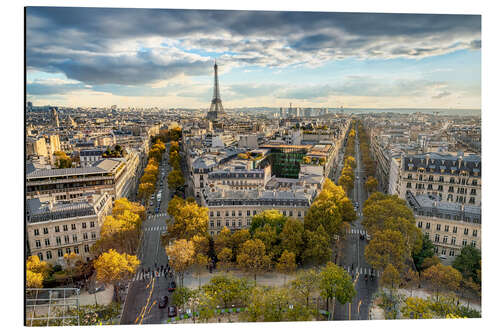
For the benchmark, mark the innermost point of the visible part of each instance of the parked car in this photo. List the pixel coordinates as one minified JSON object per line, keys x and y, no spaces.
{"x":163,"y":302}
{"x":172,"y":311}
{"x":157,"y":210}
{"x":172,"y":286}
{"x":96,"y":289}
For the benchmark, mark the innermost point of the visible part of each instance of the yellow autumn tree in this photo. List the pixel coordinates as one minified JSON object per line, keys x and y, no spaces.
{"x":36,"y":272}
{"x":113,"y":267}
{"x":181,"y":257}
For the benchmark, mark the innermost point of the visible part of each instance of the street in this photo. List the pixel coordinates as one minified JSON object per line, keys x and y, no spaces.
{"x":146,"y":289}
{"x":352,"y":258}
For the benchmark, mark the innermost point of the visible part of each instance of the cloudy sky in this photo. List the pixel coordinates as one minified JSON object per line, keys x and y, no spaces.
{"x":164,"y":58}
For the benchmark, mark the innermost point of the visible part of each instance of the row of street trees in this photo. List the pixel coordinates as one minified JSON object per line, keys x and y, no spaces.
{"x":346,"y":180}
{"x":292,"y":302}
{"x":150,"y":177}
{"x":364,"y":146}
{"x":175,"y":178}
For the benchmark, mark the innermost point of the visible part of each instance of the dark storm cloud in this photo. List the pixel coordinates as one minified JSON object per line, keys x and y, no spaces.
{"x":110,"y":45}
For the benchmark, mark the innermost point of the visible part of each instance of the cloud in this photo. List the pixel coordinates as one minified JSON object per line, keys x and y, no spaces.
{"x":100,"y":46}
{"x":442,"y":94}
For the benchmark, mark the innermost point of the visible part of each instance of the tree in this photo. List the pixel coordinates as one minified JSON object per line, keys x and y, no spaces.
{"x":36,"y":272}
{"x":292,"y":237}
{"x":119,"y":232}
{"x":390,"y":278}
{"x":272,"y":217}
{"x":252,"y":257}
{"x":468,"y":262}
{"x":267,"y":234}
{"x":431,"y":261}
{"x":201,"y":244}
{"x":335,"y":282}
{"x":226,"y":290}
{"x":62,"y":160}
{"x":267,"y":304}
{"x":371,"y":184}
{"x":145,"y":190}
{"x":224,"y":257}
{"x":200,"y":262}
{"x":427,"y":251}
{"x":325,"y":212}
{"x":181,"y":257}
{"x":190,"y":220}
{"x":113,"y":267}
{"x":317,"y":250}
{"x":181,"y":296}
{"x":417,"y":308}
{"x":347,"y":182}
{"x":286,"y":264}
{"x":347,"y":210}
{"x":175,"y":179}
{"x":222,"y":240}
{"x":386,"y":247}
{"x":442,"y":277}
{"x":237,"y":238}
{"x":412,"y":280}
{"x":350,"y":161}
{"x":174,"y":206}
{"x":123,"y":204}
{"x":305,"y":283}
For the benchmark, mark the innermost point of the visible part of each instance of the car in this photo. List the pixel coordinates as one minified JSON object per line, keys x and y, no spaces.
{"x":162,"y":303}
{"x":172,"y":311}
{"x":443,"y":257}
{"x":368,"y":237}
{"x":96,"y":289}
{"x":172,"y":286}
{"x":157,"y":210}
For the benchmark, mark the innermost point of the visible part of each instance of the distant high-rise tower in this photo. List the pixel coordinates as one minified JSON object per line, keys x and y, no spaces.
{"x":216,"y":109}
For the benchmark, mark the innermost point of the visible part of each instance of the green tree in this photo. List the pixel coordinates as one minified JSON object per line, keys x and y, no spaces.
{"x":468,"y":262}
{"x":417,"y":308}
{"x":252,"y":257}
{"x":305,"y":284}
{"x":324,"y":212}
{"x":371,"y":184}
{"x":335,"y":283}
{"x":292,"y":237}
{"x":224,"y":257}
{"x":267,"y":234}
{"x":427,"y":251}
{"x":272,"y":217}
{"x":226,"y":290}
{"x":317,"y":250}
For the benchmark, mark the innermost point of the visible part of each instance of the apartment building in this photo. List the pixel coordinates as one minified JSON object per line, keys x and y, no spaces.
{"x":449,"y":225}
{"x":448,"y":177}
{"x":56,"y":228}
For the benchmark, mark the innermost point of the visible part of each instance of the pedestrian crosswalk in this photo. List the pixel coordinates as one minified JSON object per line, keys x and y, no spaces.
{"x":362,"y":271}
{"x":147,"y":275}
{"x":355,"y":231}
{"x":151,"y":217}
{"x":156,"y":228}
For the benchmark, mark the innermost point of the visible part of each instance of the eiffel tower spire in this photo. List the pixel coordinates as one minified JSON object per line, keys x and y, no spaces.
{"x":216,"y":109}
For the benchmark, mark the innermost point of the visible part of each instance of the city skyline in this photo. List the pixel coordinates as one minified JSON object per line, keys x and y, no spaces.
{"x":265,"y":58}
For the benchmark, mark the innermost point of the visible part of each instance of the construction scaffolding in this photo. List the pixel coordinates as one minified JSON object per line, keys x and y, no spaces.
{"x":52,"y":307}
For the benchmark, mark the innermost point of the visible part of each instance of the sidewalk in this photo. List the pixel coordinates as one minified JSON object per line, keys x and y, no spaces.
{"x":264,"y":279}
{"x":104,"y":297}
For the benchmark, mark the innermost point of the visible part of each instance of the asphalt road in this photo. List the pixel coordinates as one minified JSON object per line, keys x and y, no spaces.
{"x":353,"y":259}
{"x":145,"y":290}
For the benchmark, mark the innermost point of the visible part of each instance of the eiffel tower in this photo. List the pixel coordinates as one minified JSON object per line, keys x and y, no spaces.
{"x":216,"y":109}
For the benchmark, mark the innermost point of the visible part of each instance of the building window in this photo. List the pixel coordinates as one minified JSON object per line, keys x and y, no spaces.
{"x":56,"y":229}
{"x":233,"y":213}
{"x":466,"y":231}
{"x":75,"y":239}
{"x":86,"y":248}
{"x":211,"y":224}
{"x":248,"y":213}
{"x":445,"y":239}
{"x":36,"y":232}
{"x":436,"y":249}
{"x":254,"y":212}
{"x":408,"y":185}
{"x":218,"y":213}
{"x":84,"y":225}
{"x":211,"y":214}
{"x":472,"y":200}
{"x":438,"y":227}
{"x":299,"y":213}
{"x":58,"y":240}
{"x":68,"y":250}
{"x":436,"y":238}
{"x":443,"y":251}
{"x":92,"y":235}
{"x":446,"y":228}
{"x":77,"y":250}
{"x":474,"y":233}
{"x":473,"y":243}
{"x":227,"y":213}
{"x":85,"y":236}
{"x":427,"y":225}
{"x":65,"y":227}
{"x":454,"y":230}
{"x":240,"y":213}
{"x":239,"y":223}
{"x":38,"y":244}
{"x":452,"y":253}
{"x":227,"y":223}
{"x":40,"y":255}
{"x":49,"y":255}
{"x":453,"y":240}
{"x":47,"y":242}
{"x":218,"y":223}
{"x":73,"y":226}
{"x":66,"y":239}
{"x":45,"y":231}
{"x":464,"y":242}
{"x":92,"y":224}
{"x":419,"y":224}
{"x":59,"y":253}
{"x":284,"y":213}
